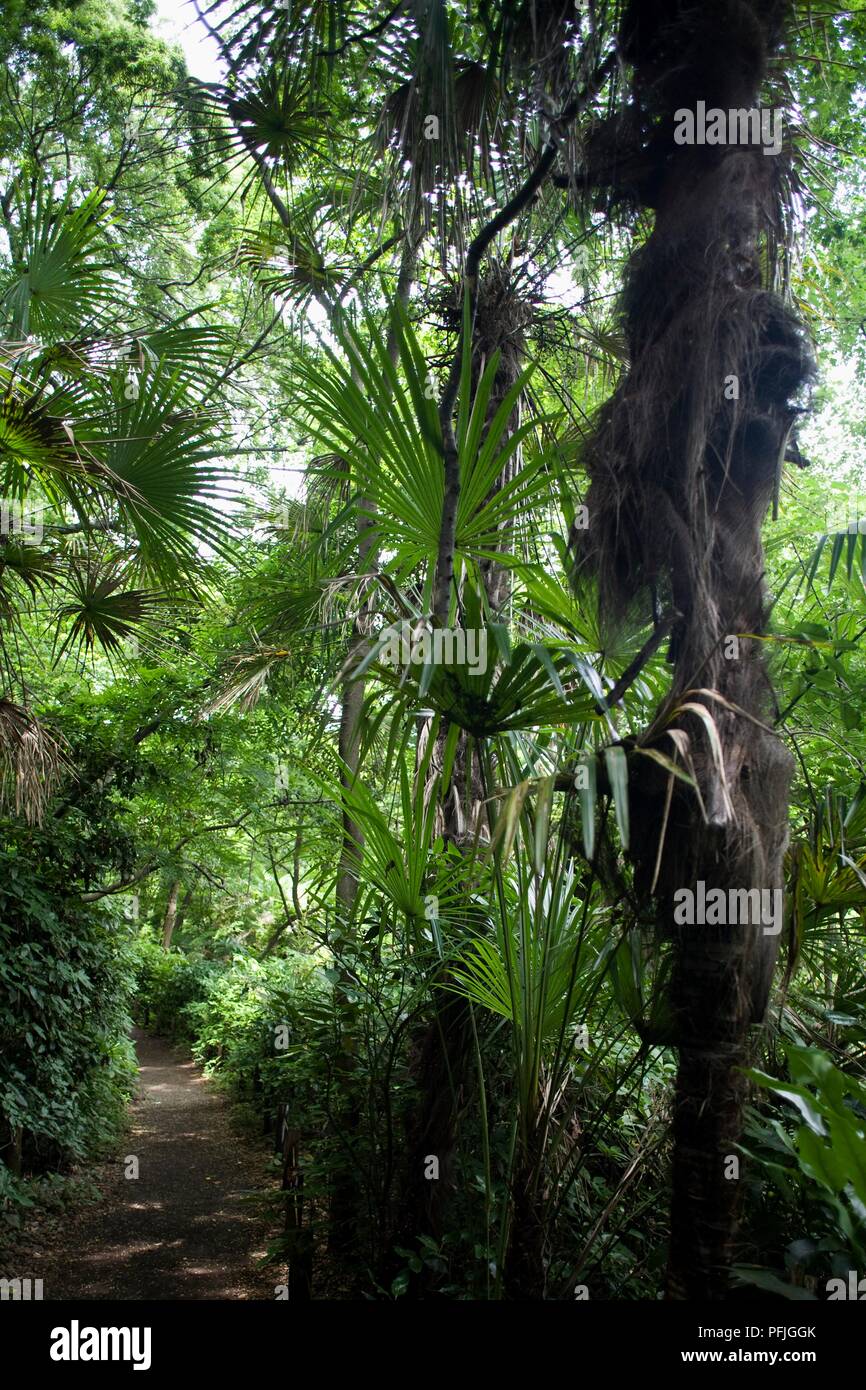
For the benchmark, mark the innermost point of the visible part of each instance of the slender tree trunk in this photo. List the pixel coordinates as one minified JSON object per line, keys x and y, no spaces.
{"x":354,"y":689}
{"x":170,"y":918}
{"x":345,"y":1201}
{"x":526,"y":1263}
{"x":442,"y":1064}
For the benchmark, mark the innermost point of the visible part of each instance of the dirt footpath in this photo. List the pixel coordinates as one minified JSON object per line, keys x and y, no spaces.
{"x":182,"y":1229}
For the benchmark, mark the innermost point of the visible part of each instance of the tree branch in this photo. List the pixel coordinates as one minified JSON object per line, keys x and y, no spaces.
{"x":522,"y":198}
{"x":363,"y":33}
{"x":451,"y":463}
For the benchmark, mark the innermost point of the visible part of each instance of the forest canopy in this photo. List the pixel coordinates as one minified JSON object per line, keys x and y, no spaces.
{"x":432,"y":602}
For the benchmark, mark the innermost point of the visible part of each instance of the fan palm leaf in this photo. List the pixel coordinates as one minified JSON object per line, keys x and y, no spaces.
{"x":57,"y":281}
{"x":161,"y":454}
{"x":101,"y":612}
{"x":384,"y":424}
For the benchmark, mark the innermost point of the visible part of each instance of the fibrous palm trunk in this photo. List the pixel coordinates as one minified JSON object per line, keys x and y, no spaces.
{"x":683,"y":467}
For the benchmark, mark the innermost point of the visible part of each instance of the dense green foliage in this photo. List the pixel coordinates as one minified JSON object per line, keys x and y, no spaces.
{"x":392,"y":910}
{"x":66,"y":979}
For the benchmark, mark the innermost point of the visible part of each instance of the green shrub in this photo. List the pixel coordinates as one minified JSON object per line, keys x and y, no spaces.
{"x":811,"y":1151}
{"x":263,"y":1027}
{"x":166,"y":982}
{"x":66,"y":1062}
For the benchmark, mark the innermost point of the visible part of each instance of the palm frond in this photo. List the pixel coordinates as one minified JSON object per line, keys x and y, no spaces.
{"x":101,"y":612}
{"x":161,"y":452}
{"x":26,"y":566}
{"x":38,"y":439}
{"x":382,"y":421}
{"x":57,"y":282}
{"x":250,"y":31}
{"x":287,"y":262}
{"x":32,"y":762}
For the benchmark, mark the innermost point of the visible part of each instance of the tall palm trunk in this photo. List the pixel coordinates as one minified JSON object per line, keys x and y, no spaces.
{"x":444,"y":1053}
{"x":683,"y":467}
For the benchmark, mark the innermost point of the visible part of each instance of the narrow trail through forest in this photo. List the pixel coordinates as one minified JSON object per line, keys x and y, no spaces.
{"x":182,"y":1229}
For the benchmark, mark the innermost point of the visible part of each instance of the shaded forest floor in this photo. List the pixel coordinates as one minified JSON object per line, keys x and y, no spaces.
{"x":185,"y":1228}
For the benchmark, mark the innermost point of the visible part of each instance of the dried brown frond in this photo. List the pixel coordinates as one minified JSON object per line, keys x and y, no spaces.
{"x":32,"y":762}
